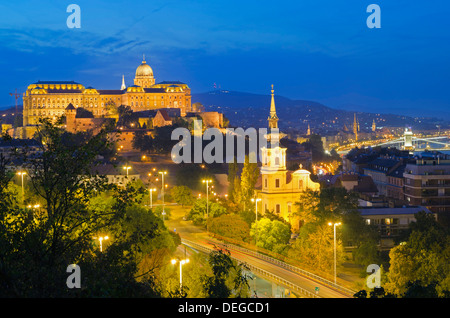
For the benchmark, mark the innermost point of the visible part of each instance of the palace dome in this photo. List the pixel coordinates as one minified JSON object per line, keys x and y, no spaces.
{"x":144,"y":69}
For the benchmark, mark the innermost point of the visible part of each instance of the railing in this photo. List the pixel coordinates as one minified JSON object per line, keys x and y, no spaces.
{"x":292,"y":268}
{"x":260,"y":271}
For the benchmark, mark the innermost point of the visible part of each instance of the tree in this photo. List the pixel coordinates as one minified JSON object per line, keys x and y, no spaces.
{"x":231,"y":226}
{"x":182,"y":195}
{"x":422,"y":260}
{"x":249,"y":176}
{"x":232,"y":173}
{"x":363,"y":237}
{"x":125,"y":115}
{"x":271,"y":235}
{"x":162,"y":139}
{"x":198,"y":213}
{"x":37,"y":245}
{"x":142,"y":141}
{"x":237,"y":193}
{"x":314,"y":247}
{"x":325,"y":205}
{"x":227,"y":277}
{"x":111,"y":109}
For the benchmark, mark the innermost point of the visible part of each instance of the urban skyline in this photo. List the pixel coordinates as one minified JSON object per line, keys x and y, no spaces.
{"x":202,"y":150}
{"x":323,"y":52}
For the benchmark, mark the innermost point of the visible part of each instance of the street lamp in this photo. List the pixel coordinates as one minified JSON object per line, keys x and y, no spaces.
{"x":151,"y":197}
{"x":334,"y":227}
{"x":163,"y":173}
{"x":101,"y":239}
{"x":22,"y":173}
{"x":207,"y":181}
{"x":182,"y":262}
{"x":127,"y":168}
{"x":256,"y":207}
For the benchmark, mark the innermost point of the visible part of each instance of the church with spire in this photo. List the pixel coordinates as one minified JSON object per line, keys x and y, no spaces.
{"x":279,"y":188}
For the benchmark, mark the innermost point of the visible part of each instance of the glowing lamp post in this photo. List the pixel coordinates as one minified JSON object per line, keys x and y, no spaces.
{"x":207,"y":182}
{"x":151,"y":197}
{"x":101,"y":239}
{"x":334,"y":228}
{"x":21,"y":174}
{"x":127,"y":168}
{"x":181,"y":262}
{"x":256,"y":207}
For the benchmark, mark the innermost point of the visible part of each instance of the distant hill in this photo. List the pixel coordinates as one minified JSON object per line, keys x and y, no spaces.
{"x":251,"y":110}
{"x":6,"y":115}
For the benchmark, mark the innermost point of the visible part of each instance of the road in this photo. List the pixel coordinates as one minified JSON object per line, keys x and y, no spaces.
{"x":198,"y":236}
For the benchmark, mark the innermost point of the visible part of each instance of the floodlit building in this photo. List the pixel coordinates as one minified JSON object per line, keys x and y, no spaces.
{"x":49,"y":99}
{"x":278,"y":187}
{"x":390,"y":222}
{"x":427,"y":183}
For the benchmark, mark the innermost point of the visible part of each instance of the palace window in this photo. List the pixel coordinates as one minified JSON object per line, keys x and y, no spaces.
{"x":277,"y":183}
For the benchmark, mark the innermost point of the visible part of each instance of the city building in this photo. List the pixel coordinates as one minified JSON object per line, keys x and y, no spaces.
{"x":379,"y":169}
{"x":390,"y":222}
{"x":115,"y":174}
{"x":49,"y":99}
{"x":427,"y":182}
{"x":279,"y":188}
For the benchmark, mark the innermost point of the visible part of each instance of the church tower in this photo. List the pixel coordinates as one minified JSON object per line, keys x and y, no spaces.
{"x":123,"y":87}
{"x":374,"y":126}
{"x":355,"y":127}
{"x":280,"y":188}
{"x":273,"y":169}
{"x":274,"y":156}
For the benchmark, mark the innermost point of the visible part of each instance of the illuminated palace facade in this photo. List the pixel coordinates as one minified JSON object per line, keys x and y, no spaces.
{"x":49,"y":99}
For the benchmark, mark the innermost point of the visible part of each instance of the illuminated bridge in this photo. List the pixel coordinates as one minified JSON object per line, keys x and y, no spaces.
{"x":409,"y":142}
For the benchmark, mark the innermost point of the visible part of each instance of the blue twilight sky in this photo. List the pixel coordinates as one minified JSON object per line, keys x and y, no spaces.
{"x":319,"y":50}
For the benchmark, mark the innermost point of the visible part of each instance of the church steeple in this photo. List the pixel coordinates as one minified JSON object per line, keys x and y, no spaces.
{"x":123,"y":83}
{"x":273,"y":118}
{"x":355,"y":127}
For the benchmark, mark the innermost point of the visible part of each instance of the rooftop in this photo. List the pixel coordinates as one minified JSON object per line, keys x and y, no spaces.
{"x":392,"y":211}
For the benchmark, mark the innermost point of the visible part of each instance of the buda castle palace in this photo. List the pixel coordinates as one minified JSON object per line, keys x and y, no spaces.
{"x":49,"y":99}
